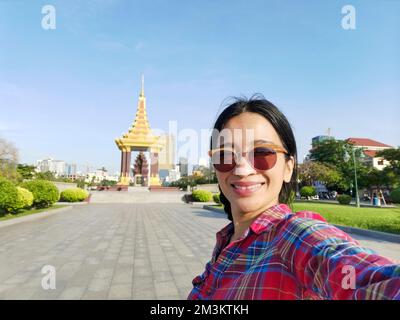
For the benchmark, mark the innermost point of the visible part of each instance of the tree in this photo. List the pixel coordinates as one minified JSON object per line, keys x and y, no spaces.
{"x":8,"y":160}
{"x":333,"y":152}
{"x":26,"y":172}
{"x":312,"y":171}
{"x":393,"y":156}
{"x":308,"y":191}
{"x":339,"y":155}
{"x":48,"y":175}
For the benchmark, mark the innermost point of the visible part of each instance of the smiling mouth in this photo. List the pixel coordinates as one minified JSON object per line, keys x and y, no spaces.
{"x":248,"y":188}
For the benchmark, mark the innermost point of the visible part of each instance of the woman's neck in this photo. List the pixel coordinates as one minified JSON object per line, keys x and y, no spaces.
{"x":243,"y":220}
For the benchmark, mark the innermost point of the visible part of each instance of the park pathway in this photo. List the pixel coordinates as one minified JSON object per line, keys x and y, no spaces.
{"x":115,"y":251}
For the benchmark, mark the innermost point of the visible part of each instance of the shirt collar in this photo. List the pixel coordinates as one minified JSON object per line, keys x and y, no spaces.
{"x":270,"y":217}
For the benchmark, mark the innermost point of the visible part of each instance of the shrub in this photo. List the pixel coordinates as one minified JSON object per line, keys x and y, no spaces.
{"x":202,"y":195}
{"x":308,"y":191}
{"x":73,"y":195}
{"x":395,"y":195}
{"x":216,"y":198}
{"x":25,"y":197}
{"x":45,"y":193}
{"x":8,"y":195}
{"x":344,"y":199}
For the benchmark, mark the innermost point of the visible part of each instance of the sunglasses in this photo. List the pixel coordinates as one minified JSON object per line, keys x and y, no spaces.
{"x":262,"y":157}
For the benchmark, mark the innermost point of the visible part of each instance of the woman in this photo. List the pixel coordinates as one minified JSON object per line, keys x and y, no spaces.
{"x":267,"y":251}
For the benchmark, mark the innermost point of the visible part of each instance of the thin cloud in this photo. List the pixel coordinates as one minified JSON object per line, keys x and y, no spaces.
{"x":139,"y":46}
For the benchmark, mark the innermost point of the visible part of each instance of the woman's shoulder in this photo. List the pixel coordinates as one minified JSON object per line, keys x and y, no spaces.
{"x":313,"y":226}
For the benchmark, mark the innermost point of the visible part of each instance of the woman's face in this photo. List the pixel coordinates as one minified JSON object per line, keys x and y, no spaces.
{"x":243,"y":133}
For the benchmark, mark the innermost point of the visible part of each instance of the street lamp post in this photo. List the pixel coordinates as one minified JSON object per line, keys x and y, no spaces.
{"x":355,"y":178}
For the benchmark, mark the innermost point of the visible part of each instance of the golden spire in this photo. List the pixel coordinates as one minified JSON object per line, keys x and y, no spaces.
{"x":142,"y":88}
{"x":141,"y":125}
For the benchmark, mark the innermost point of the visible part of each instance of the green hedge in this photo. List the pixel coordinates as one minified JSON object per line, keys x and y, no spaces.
{"x":344,"y":199}
{"x":45,"y":193}
{"x":216,"y":198}
{"x":308,"y":191}
{"x":395,"y":195}
{"x":73,"y":195}
{"x":25,"y":198}
{"x":202,"y":196}
{"x":8,"y":195}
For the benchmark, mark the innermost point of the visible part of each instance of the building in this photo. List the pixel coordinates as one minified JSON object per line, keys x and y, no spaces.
{"x":70,"y":170}
{"x":99,"y":175}
{"x":59,"y":167}
{"x":315,"y":141}
{"x":370,"y":149}
{"x":319,"y":139}
{"x":173,"y":175}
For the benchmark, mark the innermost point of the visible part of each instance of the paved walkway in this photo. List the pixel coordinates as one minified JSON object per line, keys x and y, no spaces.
{"x":114,"y":251}
{"x":138,"y":195}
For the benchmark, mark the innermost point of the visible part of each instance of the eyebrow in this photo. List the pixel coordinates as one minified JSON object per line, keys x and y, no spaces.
{"x":258,"y":141}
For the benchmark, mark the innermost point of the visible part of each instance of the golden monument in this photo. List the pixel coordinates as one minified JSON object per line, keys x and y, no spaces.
{"x":140,"y":138}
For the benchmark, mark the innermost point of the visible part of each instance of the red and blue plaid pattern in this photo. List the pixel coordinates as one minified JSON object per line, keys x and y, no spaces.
{"x":286,"y":255}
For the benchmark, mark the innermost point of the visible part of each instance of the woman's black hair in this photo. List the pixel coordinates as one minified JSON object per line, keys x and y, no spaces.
{"x":258,"y":104}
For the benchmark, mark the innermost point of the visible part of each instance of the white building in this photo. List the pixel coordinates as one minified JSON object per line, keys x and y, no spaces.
{"x":99,"y":175}
{"x":55,"y":166}
{"x":370,"y":149}
{"x":173,"y":174}
{"x":59,"y":167}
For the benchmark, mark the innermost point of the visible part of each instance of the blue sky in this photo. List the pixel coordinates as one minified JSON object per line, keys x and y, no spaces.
{"x":69,"y":92}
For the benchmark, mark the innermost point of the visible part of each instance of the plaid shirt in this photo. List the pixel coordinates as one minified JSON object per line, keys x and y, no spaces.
{"x":286,"y":255}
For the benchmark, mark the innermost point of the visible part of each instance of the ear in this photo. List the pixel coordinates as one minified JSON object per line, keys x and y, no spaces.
{"x":287,"y":176}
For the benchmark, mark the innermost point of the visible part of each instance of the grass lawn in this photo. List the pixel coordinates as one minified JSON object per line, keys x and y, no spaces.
{"x":27,"y":212}
{"x":385,"y":220}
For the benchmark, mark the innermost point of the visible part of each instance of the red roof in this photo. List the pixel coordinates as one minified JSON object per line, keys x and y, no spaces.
{"x":363,"y":142}
{"x":370,"y":153}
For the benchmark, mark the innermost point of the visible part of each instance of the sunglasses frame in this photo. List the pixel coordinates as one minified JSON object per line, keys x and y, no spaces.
{"x":274,"y":147}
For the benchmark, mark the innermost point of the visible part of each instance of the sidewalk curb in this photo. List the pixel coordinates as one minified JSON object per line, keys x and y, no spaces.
{"x":201,"y":204}
{"x":384,"y":236}
{"x":379,"y":235}
{"x":32,"y":217}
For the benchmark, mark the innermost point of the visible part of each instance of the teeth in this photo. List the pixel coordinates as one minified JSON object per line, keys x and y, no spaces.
{"x":253,"y":187}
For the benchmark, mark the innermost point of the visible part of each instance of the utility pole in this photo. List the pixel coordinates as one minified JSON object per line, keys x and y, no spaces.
{"x":355,"y":178}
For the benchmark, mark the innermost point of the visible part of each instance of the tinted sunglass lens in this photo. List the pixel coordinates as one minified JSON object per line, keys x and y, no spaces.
{"x":223,"y":161}
{"x":264,"y":158}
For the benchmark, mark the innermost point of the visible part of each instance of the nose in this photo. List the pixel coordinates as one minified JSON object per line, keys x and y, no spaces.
{"x":243,"y":167}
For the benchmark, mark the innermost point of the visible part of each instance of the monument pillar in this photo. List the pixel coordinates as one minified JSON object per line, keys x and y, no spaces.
{"x":127,"y":162}
{"x":154,"y":177}
{"x":125,"y":165}
{"x":122,"y":164}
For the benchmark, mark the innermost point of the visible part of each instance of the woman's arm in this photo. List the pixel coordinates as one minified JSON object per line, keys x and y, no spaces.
{"x":331,"y":263}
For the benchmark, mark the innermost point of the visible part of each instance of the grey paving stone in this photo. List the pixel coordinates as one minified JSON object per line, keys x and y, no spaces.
{"x":72,"y":293}
{"x":123,"y":275}
{"x":98,"y":284}
{"x":120,"y":291}
{"x":95,"y":295}
{"x":166,"y":290}
{"x":115,"y":251}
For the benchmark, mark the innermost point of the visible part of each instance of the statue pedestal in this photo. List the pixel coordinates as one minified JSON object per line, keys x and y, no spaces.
{"x":124,"y":181}
{"x":155,"y":181}
{"x":138,"y":180}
